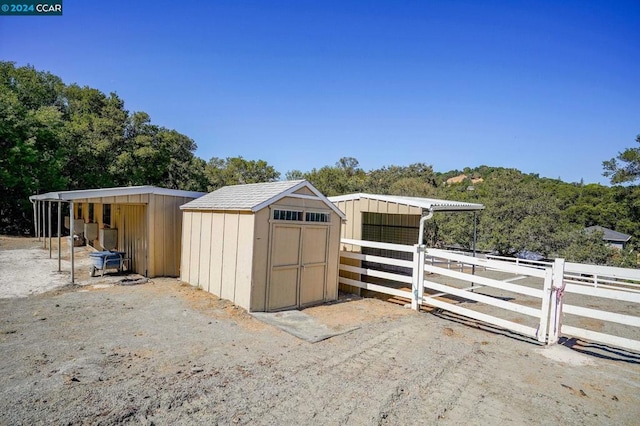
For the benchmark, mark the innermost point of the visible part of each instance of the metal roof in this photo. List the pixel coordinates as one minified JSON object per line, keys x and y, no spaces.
{"x":113,"y":192}
{"x":609,"y":234}
{"x":431,"y":204}
{"x":255,"y":196}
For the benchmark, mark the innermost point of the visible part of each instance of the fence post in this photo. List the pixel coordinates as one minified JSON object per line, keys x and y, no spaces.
{"x":546,"y":307}
{"x":421,"y":261}
{"x":417,"y":282}
{"x":555,"y":323}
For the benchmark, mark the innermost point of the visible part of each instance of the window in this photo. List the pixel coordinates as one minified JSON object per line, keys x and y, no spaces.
{"x":106,"y":215}
{"x":80,"y":211}
{"x":91,"y":213}
{"x":287,"y":215}
{"x":317,"y":217}
{"x":298,"y":216}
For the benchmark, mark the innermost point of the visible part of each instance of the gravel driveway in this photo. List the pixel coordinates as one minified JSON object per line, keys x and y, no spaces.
{"x":166,"y":353}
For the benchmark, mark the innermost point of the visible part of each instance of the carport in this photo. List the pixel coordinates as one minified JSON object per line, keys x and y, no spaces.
{"x":143,"y":221}
{"x":390,"y":219}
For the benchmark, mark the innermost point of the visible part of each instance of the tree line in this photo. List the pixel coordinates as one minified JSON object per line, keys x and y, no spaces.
{"x":55,"y":136}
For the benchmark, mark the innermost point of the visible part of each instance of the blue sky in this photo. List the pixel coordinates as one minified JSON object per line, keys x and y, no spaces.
{"x":548,"y":87}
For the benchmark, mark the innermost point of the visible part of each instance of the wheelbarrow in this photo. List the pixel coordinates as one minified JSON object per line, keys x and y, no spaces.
{"x":103,"y":260}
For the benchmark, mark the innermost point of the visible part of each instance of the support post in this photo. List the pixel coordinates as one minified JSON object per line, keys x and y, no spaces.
{"x":555,"y":323}
{"x":35,"y":218}
{"x":59,"y":235}
{"x":49,"y":227}
{"x":44,"y":235}
{"x":71,"y":242}
{"x":475,"y":238}
{"x":421,"y":259}
{"x":417,"y":282}
{"x":38,"y":221}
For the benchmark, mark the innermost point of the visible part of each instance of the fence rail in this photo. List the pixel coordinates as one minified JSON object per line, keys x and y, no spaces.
{"x":555,"y":281}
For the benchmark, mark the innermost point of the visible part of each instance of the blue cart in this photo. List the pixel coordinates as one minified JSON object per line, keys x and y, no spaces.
{"x":103,"y":260}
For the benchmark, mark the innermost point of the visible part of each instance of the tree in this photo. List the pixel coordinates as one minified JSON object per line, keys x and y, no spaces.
{"x":237,"y":170}
{"x":56,"y":137}
{"x":625,"y":167}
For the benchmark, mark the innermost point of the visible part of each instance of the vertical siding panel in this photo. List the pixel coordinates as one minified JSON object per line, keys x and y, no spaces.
{"x":205,"y":251}
{"x":144,"y":232}
{"x":244,"y":260}
{"x":195,"y":246}
{"x":174,"y":237}
{"x":260,"y":258}
{"x":333,"y":260}
{"x":176,"y":231}
{"x":217,"y":235}
{"x":349,"y":213}
{"x":185,"y":261}
{"x":160,"y":231}
{"x":356,"y":221}
{"x":229,"y":253}
{"x":152,"y":238}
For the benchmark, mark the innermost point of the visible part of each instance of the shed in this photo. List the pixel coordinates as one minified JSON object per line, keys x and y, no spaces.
{"x":389,"y":219}
{"x":264,"y":246}
{"x":145,"y":222}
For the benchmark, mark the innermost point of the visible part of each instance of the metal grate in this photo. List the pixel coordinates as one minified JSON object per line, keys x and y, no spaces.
{"x":389,"y":228}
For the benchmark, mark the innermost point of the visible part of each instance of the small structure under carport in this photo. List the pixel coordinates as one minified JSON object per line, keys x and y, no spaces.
{"x":143,"y":221}
{"x":265,"y":246}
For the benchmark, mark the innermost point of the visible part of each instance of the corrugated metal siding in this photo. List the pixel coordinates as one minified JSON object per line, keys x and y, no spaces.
{"x":165,"y":227}
{"x":132,"y":235}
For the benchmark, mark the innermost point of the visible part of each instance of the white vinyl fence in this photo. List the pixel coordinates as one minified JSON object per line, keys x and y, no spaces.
{"x":531,"y":299}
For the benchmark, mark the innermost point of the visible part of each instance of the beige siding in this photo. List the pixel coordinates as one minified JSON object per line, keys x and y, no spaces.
{"x":333,"y":259}
{"x":132,"y":236}
{"x":165,"y":227}
{"x":194,"y":243}
{"x":260,"y":260}
{"x":244,"y":261}
{"x":204,"y":249}
{"x":217,"y":254}
{"x":229,"y":256}
{"x":305,"y":191}
{"x":158,"y":234}
{"x":185,"y":258}
{"x":227,"y":252}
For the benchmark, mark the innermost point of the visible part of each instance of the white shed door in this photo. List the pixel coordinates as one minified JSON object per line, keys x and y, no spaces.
{"x":298,"y":265}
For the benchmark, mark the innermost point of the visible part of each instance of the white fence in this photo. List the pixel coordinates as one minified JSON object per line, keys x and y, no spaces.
{"x":615,"y":289}
{"x":543,"y":292}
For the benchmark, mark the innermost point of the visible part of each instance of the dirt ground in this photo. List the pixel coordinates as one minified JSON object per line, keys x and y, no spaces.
{"x":166,"y":353}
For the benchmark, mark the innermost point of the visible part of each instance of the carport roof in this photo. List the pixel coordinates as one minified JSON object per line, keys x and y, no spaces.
{"x":255,"y":196}
{"x":431,"y":204}
{"x":112,"y":192}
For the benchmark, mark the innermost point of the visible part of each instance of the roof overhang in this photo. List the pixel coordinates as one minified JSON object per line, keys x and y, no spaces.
{"x":112,"y":192}
{"x":289,"y":192}
{"x":430,"y":204}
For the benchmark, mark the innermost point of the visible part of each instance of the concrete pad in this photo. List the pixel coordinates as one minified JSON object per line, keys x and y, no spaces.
{"x":299,"y":324}
{"x":566,"y":355}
